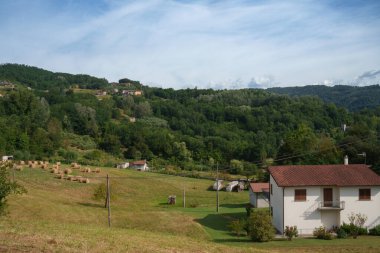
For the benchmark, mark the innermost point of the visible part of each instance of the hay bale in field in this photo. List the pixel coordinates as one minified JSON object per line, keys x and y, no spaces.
{"x":44,"y":166}
{"x":85,"y":180}
{"x":22,"y":163}
{"x":32,"y":166}
{"x":60,"y":176}
{"x":67,"y":171}
{"x":58,"y":163}
{"x":19,"y":168}
{"x":46,"y":162}
{"x":55,"y":171}
{"x":87,"y":170}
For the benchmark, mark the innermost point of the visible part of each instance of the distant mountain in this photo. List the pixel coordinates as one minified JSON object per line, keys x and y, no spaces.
{"x":351,"y":97}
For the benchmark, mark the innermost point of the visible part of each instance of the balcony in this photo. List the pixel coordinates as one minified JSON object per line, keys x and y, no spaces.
{"x":331,"y":205}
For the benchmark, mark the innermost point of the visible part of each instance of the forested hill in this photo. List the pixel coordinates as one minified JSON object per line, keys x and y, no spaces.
{"x":190,"y":129}
{"x":351,"y":97}
{"x":37,"y":78}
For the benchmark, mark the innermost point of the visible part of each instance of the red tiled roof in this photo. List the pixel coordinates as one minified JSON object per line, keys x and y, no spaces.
{"x":142,"y":162}
{"x":318,"y":175}
{"x":259,"y":187}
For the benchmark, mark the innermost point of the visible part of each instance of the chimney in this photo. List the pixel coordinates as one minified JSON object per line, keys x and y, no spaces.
{"x":345,"y":160}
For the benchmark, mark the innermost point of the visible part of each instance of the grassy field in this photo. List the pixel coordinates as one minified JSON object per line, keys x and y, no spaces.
{"x":60,"y":215}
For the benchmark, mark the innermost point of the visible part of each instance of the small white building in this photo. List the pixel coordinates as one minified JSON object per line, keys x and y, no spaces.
{"x":122,"y":165}
{"x":259,"y":194}
{"x":7,"y":157}
{"x":139,"y":165}
{"x":310,"y":196}
{"x":218,"y":185}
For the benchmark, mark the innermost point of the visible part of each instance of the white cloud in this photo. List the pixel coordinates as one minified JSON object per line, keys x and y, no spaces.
{"x":203,"y":44}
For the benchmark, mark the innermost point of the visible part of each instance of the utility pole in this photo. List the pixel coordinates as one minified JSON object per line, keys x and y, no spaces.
{"x":184,"y":197}
{"x":108,"y":201}
{"x":217,"y":187}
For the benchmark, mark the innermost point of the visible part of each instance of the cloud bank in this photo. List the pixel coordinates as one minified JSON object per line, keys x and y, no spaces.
{"x":225,"y":44}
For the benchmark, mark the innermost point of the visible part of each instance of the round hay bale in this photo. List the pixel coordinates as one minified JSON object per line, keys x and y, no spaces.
{"x":67,"y":171}
{"x":22,"y":163}
{"x":58,"y":163}
{"x":19,"y":168}
{"x":85,"y":180}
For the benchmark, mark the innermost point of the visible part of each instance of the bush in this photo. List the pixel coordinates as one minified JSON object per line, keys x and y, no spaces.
{"x":237,"y":226}
{"x":341,"y":233}
{"x":322,"y":233}
{"x":375,"y":230}
{"x":353,"y":230}
{"x":291,"y":232}
{"x":260,"y":227}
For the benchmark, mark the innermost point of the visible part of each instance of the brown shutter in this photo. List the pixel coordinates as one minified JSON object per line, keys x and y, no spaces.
{"x":300,"y":195}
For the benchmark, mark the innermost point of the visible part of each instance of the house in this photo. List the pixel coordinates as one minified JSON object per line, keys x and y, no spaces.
{"x":311,"y":196}
{"x":139,"y":165}
{"x":259,"y":194}
{"x":7,"y":157}
{"x":122,"y":165}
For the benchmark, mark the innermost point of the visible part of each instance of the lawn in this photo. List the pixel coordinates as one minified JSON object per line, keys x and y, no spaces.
{"x":60,"y":215}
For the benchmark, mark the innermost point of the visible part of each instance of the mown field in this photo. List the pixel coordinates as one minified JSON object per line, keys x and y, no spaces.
{"x":62,"y":216}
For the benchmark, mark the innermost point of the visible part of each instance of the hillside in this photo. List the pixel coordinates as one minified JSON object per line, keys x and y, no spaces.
{"x":353,"y":98}
{"x":175,"y":130}
{"x":61,"y":216}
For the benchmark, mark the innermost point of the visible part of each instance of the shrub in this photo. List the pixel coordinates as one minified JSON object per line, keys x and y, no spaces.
{"x":100,"y":192}
{"x":322,"y":233}
{"x":341,"y":233}
{"x":353,"y":230}
{"x":260,"y":227}
{"x":291,"y":232}
{"x":7,"y":187}
{"x":357,"y":221}
{"x":237,"y":226}
{"x":375,"y":230}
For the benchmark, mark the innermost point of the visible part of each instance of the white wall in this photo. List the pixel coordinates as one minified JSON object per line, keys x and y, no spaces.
{"x":303,"y":214}
{"x":370,"y":208}
{"x":261,"y":200}
{"x":276,"y":202}
{"x":252,"y":197}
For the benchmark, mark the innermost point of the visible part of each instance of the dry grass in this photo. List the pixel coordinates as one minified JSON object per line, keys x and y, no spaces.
{"x":59,"y":215}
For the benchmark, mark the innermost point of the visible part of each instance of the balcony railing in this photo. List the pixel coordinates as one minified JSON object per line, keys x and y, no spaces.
{"x":331,"y":205}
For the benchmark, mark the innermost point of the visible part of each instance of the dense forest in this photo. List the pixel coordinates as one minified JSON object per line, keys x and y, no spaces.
{"x":351,"y":97}
{"x":58,"y":116}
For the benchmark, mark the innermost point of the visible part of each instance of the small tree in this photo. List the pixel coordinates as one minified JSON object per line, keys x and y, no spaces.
{"x":291,"y":232}
{"x":237,"y":226}
{"x":356,"y":221}
{"x":7,"y":186}
{"x":260,"y":226}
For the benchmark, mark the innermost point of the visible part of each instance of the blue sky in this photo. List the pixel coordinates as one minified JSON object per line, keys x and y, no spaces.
{"x":217,"y":44}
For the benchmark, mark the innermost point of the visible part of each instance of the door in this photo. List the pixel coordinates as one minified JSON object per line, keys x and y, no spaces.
{"x":327,"y":197}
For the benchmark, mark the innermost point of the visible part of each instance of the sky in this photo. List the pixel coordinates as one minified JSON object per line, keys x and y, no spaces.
{"x":205,"y":44}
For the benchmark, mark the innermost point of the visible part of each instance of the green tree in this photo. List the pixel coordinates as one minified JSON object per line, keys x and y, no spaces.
{"x":7,"y":186}
{"x":260,"y":226}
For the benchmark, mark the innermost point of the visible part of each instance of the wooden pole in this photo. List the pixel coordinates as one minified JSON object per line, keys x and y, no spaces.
{"x":184,"y":197}
{"x":217,"y":187}
{"x":108,"y":201}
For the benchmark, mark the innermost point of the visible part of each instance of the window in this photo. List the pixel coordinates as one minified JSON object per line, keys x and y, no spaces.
{"x":364,"y":194}
{"x":300,"y":195}
{"x":271,"y":191}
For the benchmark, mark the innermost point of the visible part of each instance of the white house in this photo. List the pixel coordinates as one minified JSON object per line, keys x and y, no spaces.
{"x":259,"y":194}
{"x":139,"y":165}
{"x":311,"y":196}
